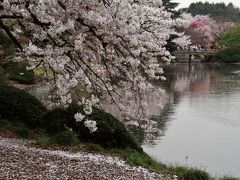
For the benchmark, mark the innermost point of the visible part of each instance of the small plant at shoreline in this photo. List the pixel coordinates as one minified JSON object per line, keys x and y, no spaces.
{"x":66,"y":138}
{"x":42,"y":138}
{"x":229,"y":178}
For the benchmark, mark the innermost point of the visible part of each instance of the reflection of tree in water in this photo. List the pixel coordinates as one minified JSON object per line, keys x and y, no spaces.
{"x":164,"y":118}
{"x":194,"y":78}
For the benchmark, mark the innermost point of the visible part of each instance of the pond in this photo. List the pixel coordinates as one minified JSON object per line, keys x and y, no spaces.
{"x":201,"y":126}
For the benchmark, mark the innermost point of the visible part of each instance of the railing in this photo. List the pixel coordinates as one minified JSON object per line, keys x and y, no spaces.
{"x":195,"y":52}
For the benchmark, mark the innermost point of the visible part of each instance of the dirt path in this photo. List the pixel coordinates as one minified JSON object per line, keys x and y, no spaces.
{"x":18,"y":161}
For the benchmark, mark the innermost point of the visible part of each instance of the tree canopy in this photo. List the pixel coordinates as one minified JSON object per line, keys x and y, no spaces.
{"x":231,"y":38}
{"x":109,"y":47}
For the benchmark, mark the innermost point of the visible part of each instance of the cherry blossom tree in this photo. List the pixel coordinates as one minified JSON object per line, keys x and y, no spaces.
{"x":109,"y":47}
{"x":203,"y":29}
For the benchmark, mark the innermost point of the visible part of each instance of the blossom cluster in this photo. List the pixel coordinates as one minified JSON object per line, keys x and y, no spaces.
{"x":87,"y":108}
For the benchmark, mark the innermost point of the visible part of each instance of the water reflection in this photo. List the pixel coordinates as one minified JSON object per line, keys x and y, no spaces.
{"x":201,"y":121}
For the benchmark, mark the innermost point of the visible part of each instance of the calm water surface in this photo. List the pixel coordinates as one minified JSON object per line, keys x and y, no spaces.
{"x":201,"y":127}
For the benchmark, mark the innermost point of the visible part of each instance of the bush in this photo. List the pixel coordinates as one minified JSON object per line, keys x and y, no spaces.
{"x":17,"y":105}
{"x":229,"y":55}
{"x":17,"y":72}
{"x":111,"y":132}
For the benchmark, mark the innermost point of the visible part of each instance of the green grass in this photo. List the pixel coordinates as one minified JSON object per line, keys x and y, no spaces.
{"x":136,"y":158}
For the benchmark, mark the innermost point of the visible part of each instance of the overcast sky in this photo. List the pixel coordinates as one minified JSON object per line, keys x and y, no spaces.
{"x":185,"y":3}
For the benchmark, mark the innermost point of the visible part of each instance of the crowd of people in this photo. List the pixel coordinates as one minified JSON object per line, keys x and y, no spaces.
{"x":199,"y":47}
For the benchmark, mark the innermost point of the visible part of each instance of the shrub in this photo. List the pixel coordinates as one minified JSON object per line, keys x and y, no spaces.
{"x":17,"y":105}
{"x":17,"y":72}
{"x":111,"y":132}
{"x":66,"y":138}
{"x":229,"y":55}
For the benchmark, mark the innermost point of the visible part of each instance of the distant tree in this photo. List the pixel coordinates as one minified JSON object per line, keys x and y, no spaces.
{"x":204,"y":29}
{"x":218,"y":11}
{"x":171,"y":7}
{"x":231,"y":38}
{"x":200,"y":30}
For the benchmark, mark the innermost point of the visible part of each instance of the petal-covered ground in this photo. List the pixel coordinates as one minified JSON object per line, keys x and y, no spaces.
{"x":18,"y":161}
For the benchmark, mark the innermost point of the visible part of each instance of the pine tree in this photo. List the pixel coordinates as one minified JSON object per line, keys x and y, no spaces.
{"x":171,"y":7}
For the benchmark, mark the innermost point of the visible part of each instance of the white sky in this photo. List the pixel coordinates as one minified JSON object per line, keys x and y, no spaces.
{"x":186,"y":3}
